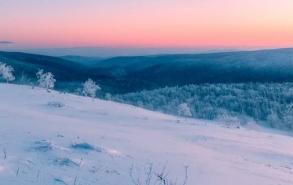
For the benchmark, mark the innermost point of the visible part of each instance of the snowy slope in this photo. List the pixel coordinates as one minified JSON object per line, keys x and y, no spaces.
{"x":53,"y":138}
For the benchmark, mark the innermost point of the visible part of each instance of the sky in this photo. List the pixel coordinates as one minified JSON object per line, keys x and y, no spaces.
{"x":146,"y":23}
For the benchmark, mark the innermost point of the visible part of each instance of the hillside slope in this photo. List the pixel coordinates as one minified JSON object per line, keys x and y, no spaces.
{"x":54,"y":138}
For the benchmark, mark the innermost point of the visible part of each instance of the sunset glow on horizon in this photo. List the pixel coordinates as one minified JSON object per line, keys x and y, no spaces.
{"x":147,"y":23}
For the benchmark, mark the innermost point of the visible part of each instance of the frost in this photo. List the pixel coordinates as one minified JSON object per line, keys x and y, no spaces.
{"x":6,"y":72}
{"x":90,"y":88}
{"x":46,"y":80}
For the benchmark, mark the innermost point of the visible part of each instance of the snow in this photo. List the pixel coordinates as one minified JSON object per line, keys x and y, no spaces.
{"x":90,"y":141}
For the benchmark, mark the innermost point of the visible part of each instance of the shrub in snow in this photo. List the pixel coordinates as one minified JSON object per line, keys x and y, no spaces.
{"x":184,"y":110}
{"x":46,"y":80}
{"x":90,"y":88}
{"x":6,"y":72}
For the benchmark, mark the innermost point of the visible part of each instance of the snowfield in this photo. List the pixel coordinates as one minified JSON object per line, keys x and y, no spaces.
{"x":63,"y":139}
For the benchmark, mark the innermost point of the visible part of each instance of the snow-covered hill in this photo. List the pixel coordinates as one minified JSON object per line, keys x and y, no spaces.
{"x":53,"y":138}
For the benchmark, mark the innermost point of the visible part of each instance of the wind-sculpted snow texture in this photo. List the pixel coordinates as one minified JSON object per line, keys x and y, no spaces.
{"x":89,"y":141}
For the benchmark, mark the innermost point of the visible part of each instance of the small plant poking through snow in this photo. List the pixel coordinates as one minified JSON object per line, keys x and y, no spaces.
{"x":90,"y":88}
{"x":46,"y":80}
{"x":151,"y":177}
{"x":6,"y":72}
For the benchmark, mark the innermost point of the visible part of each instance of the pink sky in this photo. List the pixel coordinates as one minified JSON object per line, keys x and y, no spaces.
{"x":147,"y":23}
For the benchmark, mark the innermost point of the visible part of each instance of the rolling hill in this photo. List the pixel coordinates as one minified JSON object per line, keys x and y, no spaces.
{"x":135,"y":73}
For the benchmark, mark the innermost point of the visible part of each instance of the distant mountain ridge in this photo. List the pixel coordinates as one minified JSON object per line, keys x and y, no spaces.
{"x":134,"y":73}
{"x":108,"y":52}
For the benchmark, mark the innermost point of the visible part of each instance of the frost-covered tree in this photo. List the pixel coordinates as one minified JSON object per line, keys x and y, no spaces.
{"x":184,"y":110}
{"x":90,"y":88}
{"x":108,"y":96}
{"x":269,"y":103}
{"x":6,"y":72}
{"x":46,"y":80}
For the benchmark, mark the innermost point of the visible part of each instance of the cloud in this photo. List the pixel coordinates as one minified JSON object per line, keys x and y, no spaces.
{"x":5,"y":42}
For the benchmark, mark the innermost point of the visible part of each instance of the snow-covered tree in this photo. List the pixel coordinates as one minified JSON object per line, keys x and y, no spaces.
{"x":269,"y":103}
{"x":46,"y":80}
{"x":184,"y":110}
{"x":108,"y":96}
{"x":90,"y":88}
{"x":6,"y":72}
